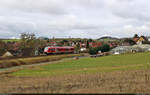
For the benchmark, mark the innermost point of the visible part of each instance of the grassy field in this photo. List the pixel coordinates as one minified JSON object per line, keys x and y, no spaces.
{"x":10,"y":40}
{"x":5,"y":63}
{"x":91,"y":65}
{"x":127,"y":73}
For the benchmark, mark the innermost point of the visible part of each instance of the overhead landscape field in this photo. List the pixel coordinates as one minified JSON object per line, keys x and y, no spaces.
{"x":127,"y":73}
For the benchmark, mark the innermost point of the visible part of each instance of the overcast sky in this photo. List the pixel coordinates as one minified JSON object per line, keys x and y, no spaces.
{"x":74,"y":18}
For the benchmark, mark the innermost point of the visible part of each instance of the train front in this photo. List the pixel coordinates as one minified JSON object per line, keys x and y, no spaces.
{"x":46,"y":50}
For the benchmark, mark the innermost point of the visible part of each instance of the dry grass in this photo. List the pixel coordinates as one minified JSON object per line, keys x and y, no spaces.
{"x":111,"y":82}
{"x":25,"y":61}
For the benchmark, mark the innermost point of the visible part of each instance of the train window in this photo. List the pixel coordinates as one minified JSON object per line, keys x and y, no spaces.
{"x":46,"y":49}
{"x":52,"y":49}
{"x":72,"y":48}
{"x":60,"y":49}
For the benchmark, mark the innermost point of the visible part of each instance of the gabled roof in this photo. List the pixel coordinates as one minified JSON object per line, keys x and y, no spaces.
{"x":144,"y":38}
{"x":7,"y":54}
{"x":136,"y":39}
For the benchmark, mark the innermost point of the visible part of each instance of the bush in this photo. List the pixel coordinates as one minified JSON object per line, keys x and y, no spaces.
{"x":103,"y":48}
{"x":93,"y":51}
{"x":2,"y":51}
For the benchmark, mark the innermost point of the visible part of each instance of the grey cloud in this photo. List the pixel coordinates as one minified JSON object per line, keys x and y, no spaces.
{"x":75,"y":18}
{"x":131,"y":9}
{"x":42,"y":6}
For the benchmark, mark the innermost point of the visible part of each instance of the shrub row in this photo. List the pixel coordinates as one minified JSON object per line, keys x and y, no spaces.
{"x":33,"y":60}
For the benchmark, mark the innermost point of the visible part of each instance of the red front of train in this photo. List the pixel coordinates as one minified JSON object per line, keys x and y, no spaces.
{"x":58,"y":50}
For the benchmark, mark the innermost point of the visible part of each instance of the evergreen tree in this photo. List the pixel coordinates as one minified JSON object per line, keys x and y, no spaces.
{"x":87,"y":44}
{"x":136,"y":36}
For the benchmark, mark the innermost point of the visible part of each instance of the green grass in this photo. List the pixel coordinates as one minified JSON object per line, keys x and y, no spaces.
{"x":138,"y":61}
{"x":10,"y":40}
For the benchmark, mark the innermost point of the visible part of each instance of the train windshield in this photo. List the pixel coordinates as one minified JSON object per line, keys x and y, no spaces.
{"x":46,"y":49}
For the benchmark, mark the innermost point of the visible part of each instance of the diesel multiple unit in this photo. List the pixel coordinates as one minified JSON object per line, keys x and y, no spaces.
{"x":58,"y":50}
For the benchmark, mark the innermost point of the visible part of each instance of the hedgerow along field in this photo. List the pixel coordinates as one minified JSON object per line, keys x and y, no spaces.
{"x":5,"y":63}
{"x":127,"y":73}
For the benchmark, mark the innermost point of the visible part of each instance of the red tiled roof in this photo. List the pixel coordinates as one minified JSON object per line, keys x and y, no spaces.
{"x":135,"y":39}
{"x":96,"y":44}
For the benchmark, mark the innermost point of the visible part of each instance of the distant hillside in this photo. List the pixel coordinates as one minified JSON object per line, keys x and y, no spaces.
{"x":108,"y":38}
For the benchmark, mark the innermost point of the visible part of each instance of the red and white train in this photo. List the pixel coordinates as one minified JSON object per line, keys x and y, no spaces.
{"x":58,"y":50}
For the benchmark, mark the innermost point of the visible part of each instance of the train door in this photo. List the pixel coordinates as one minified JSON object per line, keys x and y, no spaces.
{"x":57,"y":50}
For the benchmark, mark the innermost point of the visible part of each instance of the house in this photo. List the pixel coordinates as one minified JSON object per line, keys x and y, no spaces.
{"x":112,"y":45}
{"x":52,"y":43}
{"x":95,"y":44}
{"x":7,"y":54}
{"x":27,"y":52}
{"x":148,"y":38}
{"x":16,"y":46}
{"x":125,"y":44}
{"x":136,"y":39}
{"x":140,"y":40}
{"x":82,"y":45}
